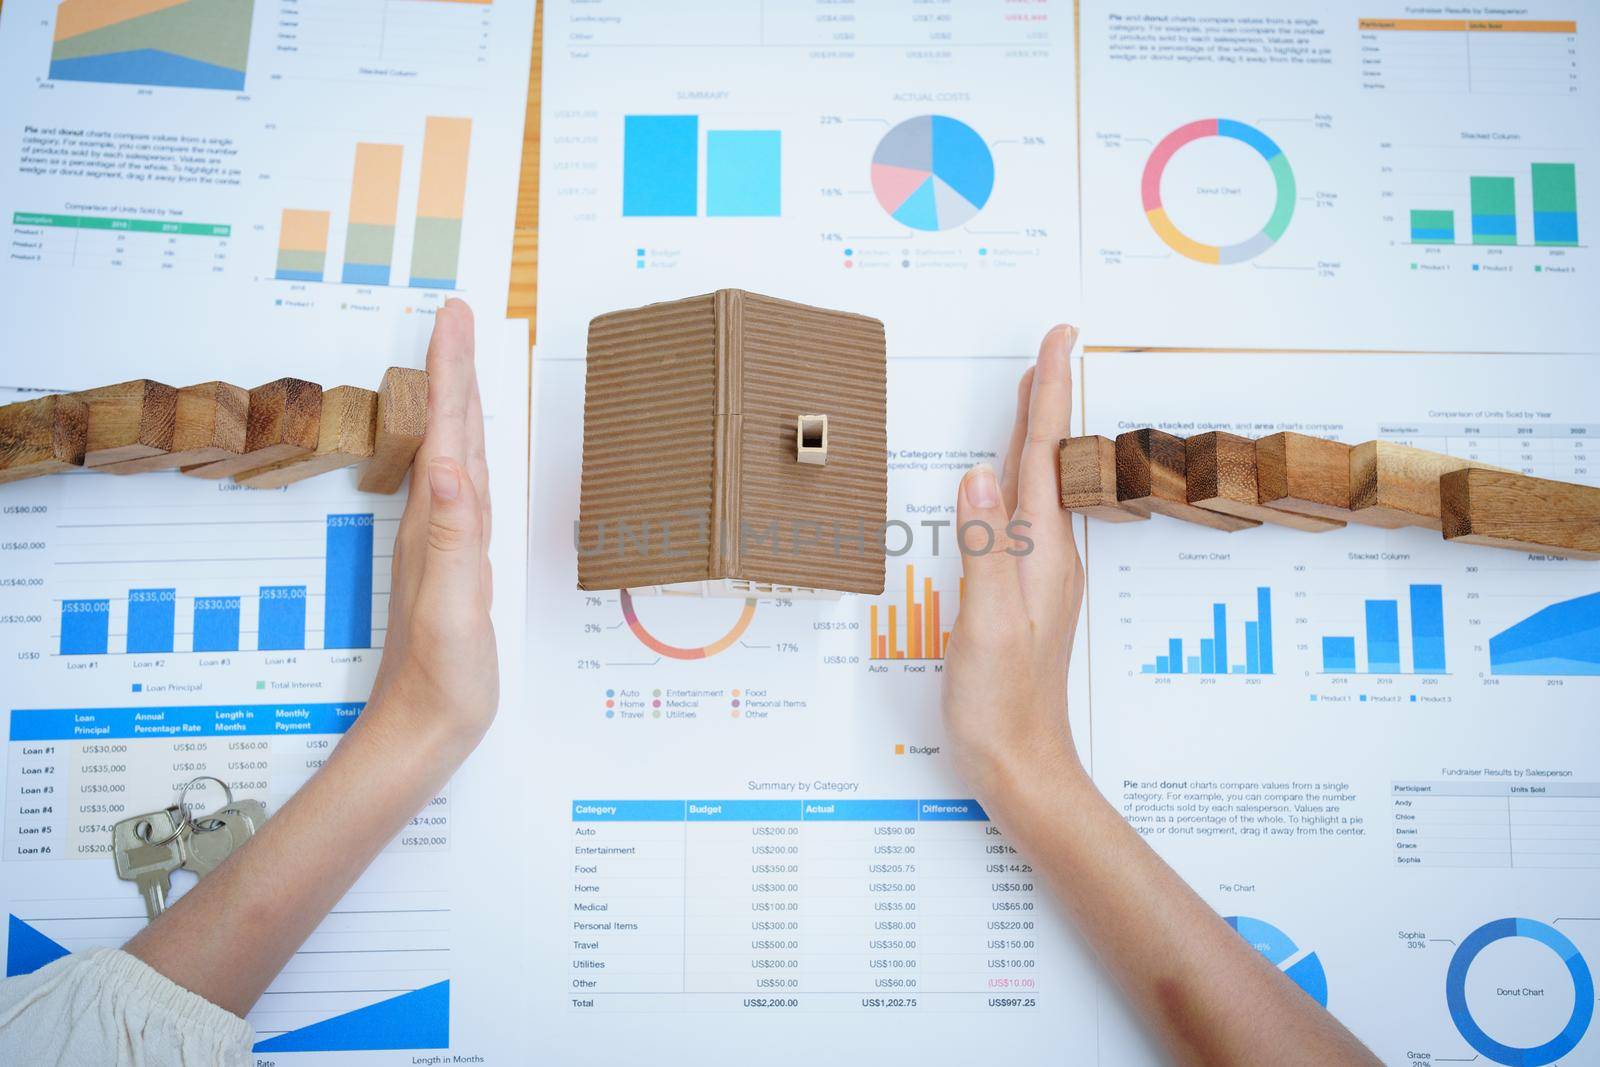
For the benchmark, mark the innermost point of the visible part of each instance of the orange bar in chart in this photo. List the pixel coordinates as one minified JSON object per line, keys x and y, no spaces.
{"x":374,"y":197}
{"x":922,"y":639}
{"x":441,"y":198}
{"x":302,"y":245}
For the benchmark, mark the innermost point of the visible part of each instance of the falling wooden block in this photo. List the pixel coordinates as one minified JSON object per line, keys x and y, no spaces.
{"x":1152,"y":471}
{"x":129,"y":420}
{"x":1089,"y":481}
{"x":209,"y":426}
{"x":1506,"y":510}
{"x":1396,"y":485}
{"x":402,"y":423}
{"x":1221,"y":477}
{"x":42,"y":436}
{"x":1307,"y":476}
{"x":282,"y":421}
{"x":348,"y":426}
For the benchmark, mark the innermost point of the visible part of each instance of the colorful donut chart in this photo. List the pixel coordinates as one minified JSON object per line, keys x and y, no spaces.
{"x":653,"y":643}
{"x":1176,"y":239}
{"x":1455,"y":992}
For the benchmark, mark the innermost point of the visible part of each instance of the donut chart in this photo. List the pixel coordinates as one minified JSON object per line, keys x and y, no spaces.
{"x":655,"y":644}
{"x":1182,"y":243}
{"x":932,"y":173}
{"x":1455,"y":991}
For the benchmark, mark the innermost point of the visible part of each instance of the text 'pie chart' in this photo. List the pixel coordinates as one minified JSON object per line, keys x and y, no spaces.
{"x":932,"y":172}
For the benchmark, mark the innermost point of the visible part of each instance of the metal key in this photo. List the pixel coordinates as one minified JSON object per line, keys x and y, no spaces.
{"x":213,"y":838}
{"x":206,"y":846}
{"x":148,"y":865}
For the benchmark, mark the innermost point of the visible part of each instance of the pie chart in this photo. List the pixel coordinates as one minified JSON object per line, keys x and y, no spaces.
{"x":1302,"y":967}
{"x":932,"y":172}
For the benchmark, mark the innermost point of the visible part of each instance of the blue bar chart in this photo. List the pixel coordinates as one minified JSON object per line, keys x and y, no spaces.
{"x":1251,"y":654}
{"x":283,"y":612}
{"x":151,"y":619}
{"x":661,"y":169}
{"x":1381,"y":646}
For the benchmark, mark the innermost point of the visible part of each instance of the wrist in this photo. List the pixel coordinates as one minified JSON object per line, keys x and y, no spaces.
{"x":415,"y":734}
{"x":1009,"y":775}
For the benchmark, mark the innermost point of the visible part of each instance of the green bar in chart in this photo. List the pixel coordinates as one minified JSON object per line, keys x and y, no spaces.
{"x":1555,"y":204}
{"x":1433,"y":227}
{"x":1494,"y":211}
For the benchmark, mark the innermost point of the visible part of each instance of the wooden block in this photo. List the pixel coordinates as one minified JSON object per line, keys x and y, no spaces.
{"x":1505,"y":510}
{"x":281,"y":422}
{"x":42,"y":436}
{"x":402,"y":423}
{"x":1152,"y":472}
{"x":129,"y":420}
{"x":348,"y":425}
{"x":1089,"y":481}
{"x":210,"y":425}
{"x":1221,"y":476}
{"x":1395,"y":485}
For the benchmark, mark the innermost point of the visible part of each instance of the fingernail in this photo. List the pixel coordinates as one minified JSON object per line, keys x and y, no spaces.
{"x":982,"y":489}
{"x":1066,"y":334}
{"x":444,"y":480}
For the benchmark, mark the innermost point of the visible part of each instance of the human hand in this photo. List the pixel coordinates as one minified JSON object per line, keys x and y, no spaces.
{"x":1005,"y":689}
{"x":440,"y":675}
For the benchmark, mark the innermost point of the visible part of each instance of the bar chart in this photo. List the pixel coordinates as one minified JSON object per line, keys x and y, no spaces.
{"x":912,"y":629}
{"x":661,"y":157}
{"x":276,"y":616}
{"x":1382,"y":645}
{"x":1215,"y":654}
{"x":373,"y":235}
{"x":1492,"y":216}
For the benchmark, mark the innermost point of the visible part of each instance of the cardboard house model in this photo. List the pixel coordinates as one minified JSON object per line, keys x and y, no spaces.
{"x":734,"y":444}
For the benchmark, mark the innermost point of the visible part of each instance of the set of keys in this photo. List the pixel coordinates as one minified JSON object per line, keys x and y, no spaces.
{"x":148,"y":848}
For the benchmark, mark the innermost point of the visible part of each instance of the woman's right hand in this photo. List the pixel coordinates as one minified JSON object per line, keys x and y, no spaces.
{"x":1005,"y":694}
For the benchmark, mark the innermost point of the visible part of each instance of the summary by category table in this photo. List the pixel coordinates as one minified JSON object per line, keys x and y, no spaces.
{"x":819,"y":905}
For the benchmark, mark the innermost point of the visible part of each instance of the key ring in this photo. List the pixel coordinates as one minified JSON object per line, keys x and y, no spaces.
{"x":173,"y":811}
{"x":188,"y":815}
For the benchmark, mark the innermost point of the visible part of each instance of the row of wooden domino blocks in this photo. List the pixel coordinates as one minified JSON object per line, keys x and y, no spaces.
{"x":1228,"y":482}
{"x":264,"y":437}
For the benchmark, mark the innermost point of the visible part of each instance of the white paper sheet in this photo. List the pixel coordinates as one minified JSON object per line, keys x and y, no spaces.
{"x":416,"y":956}
{"x":912,"y":162}
{"x":154,"y":225}
{"x":1361,"y":165}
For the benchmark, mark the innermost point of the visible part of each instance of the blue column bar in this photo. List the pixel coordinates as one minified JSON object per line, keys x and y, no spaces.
{"x":85,"y":627}
{"x":1208,"y":655}
{"x":347,"y":608}
{"x":1264,"y":627}
{"x":1175,"y":655}
{"x":216,"y":624}
{"x":1219,"y":638}
{"x":282,"y":622}
{"x":150,"y":619}
{"x":1194,"y":665}
{"x":1427,"y":629}
{"x":1383,"y":637}
{"x":1338,"y":654}
{"x":743,"y":172}
{"x":1252,"y":648}
{"x":1161,"y":665}
{"x":660,"y":165}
